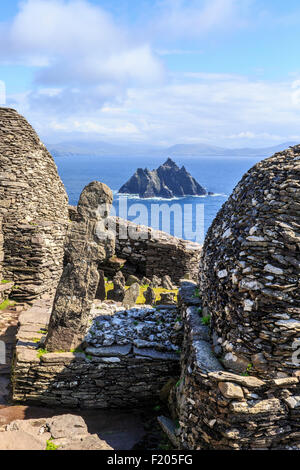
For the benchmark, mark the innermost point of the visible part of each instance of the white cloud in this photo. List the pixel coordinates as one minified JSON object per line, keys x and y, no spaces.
{"x":221,"y":110}
{"x":95,"y":77}
{"x":77,"y":44}
{"x":195,"y":18}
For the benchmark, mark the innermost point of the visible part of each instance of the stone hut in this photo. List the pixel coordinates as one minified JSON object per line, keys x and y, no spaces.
{"x":250,"y":269}
{"x":239,"y":385}
{"x":34,"y":207}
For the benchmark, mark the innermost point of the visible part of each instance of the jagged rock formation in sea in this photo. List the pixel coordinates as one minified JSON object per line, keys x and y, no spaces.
{"x":34,"y":207}
{"x":167,"y":181}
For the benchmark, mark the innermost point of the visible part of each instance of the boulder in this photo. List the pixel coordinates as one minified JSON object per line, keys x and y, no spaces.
{"x":132,"y":280}
{"x":131,"y":296}
{"x":156,"y":282}
{"x":101,"y":294}
{"x":167,"y":298}
{"x":167,"y":283}
{"x":145,"y":281}
{"x":150,"y":296}
{"x":88,"y":243}
{"x":118,"y":292}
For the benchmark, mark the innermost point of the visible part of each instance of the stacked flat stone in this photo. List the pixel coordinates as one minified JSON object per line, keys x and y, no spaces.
{"x":250,"y":270}
{"x":128,"y":357}
{"x":222,"y":410}
{"x":240,"y":385}
{"x":151,"y":252}
{"x":34,"y":207}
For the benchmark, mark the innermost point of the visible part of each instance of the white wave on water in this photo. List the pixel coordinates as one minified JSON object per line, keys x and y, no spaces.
{"x":136,"y":196}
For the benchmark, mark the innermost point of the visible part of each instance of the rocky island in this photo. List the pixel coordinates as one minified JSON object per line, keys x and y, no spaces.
{"x":167,"y":181}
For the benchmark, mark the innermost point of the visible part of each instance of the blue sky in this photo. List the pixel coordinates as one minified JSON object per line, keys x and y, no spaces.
{"x":223,"y":72}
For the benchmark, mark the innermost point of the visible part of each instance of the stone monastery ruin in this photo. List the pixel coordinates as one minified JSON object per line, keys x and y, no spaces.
{"x":225,"y":356}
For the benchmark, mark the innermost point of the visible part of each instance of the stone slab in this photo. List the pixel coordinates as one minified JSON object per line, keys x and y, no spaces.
{"x":205,"y":358}
{"x":109,"y":351}
{"x":156,"y":355}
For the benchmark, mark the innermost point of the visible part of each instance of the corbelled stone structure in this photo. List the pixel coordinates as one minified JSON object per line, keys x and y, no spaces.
{"x":34,"y":207}
{"x":87,"y":244}
{"x":250,"y":269}
{"x":240,"y":385}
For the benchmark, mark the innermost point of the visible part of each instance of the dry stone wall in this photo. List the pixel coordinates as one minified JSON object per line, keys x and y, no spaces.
{"x":126,"y":359}
{"x":34,"y":207}
{"x":143,"y":251}
{"x":221,"y":410}
{"x":151,"y":253}
{"x":5,"y":286}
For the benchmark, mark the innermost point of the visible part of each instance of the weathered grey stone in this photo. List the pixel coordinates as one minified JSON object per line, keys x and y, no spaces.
{"x":250,"y":269}
{"x":149,"y":296}
{"x":118,"y":292}
{"x":132,"y":280}
{"x":167,"y":298}
{"x":64,"y":358}
{"x":87,"y":244}
{"x":249,"y":382}
{"x":166,"y":283}
{"x":231,"y":390}
{"x":156,"y":281}
{"x":131,"y":295}
{"x":34,"y":209}
{"x":156,"y":355}
{"x":169,"y":429}
{"x":110,"y":351}
{"x":101,"y":293}
{"x":205,"y":358}
{"x":67,"y":426}
{"x":90,"y":442}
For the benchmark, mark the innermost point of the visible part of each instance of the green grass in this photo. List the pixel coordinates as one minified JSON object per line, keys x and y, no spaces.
{"x":35,"y":340}
{"x":6,"y":304}
{"x":51,"y":446}
{"x":178,"y":383}
{"x":77,"y":350}
{"x":206,"y":320}
{"x":246,"y":373}
{"x":41,"y":352}
{"x":197,"y":293}
{"x":4,"y":281}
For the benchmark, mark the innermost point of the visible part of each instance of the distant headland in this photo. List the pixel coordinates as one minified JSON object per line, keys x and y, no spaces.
{"x":167,"y":181}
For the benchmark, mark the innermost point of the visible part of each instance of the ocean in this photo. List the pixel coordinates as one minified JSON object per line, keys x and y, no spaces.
{"x":188,"y":217}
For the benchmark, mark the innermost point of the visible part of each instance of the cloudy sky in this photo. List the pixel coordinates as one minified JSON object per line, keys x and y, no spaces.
{"x":223,"y":72}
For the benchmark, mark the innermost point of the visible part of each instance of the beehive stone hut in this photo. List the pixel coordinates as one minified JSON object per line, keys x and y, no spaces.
{"x":34,"y":208}
{"x":239,"y":385}
{"x":250,"y":269}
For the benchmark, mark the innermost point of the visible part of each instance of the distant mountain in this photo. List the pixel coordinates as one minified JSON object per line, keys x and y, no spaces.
{"x":167,"y":181}
{"x":65,"y":149}
{"x":196,"y":150}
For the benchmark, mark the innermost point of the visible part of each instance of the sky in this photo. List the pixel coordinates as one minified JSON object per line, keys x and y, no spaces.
{"x":158,"y":72}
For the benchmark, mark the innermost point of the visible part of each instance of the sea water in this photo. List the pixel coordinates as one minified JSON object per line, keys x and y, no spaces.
{"x":189,"y":217}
